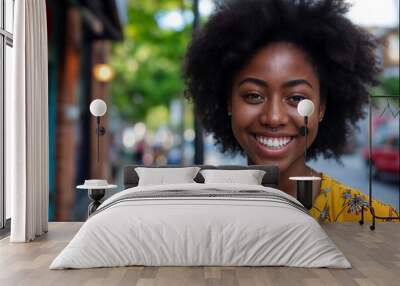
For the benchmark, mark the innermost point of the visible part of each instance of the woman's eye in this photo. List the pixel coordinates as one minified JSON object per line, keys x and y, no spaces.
{"x":296,"y":99}
{"x":253,"y":97}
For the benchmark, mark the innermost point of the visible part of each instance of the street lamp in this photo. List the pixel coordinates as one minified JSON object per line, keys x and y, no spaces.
{"x":103,"y":72}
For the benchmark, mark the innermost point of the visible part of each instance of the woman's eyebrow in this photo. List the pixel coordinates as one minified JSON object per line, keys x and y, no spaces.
{"x":290,"y":83}
{"x":254,"y":80}
{"x":294,"y":82}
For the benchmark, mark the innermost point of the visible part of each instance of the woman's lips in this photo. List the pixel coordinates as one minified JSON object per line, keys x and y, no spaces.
{"x":273,"y":146}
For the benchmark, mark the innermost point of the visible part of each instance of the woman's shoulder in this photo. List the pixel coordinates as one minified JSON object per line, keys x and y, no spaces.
{"x":330,"y":184}
{"x":340,"y":202}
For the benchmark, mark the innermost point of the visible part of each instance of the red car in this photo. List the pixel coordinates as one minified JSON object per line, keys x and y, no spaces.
{"x":385,"y":156}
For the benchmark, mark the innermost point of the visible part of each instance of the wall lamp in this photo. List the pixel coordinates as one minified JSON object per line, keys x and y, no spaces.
{"x":98,"y":108}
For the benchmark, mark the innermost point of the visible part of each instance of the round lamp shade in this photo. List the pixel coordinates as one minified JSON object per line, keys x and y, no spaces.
{"x":305,"y":107}
{"x":98,"y":107}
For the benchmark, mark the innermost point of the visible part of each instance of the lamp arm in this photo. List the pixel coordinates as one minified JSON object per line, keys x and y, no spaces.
{"x":98,"y":137}
{"x":305,"y":134}
{"x":100,"y":131}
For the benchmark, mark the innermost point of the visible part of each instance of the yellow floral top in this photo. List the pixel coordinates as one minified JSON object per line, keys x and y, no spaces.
{"x":339,"y":203}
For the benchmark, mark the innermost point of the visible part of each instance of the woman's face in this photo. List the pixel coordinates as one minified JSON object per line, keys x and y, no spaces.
{"x":264,"y":101}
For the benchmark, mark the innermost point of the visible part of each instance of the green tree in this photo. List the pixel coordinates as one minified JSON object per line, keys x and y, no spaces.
{"x":390,"y":85}
{"x":148,"y":62}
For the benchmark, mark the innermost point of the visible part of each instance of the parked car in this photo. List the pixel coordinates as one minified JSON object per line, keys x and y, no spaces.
{"x":385,"y":154}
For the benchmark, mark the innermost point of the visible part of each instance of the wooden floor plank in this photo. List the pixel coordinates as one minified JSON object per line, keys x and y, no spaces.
{"x":374,"y":255}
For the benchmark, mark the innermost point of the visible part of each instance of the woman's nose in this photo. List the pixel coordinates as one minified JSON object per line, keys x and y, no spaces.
{"x":275,"y":114}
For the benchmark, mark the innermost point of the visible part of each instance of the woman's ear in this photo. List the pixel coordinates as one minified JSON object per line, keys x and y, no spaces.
{"x":322,"y":109}
{"x":229,"y":108}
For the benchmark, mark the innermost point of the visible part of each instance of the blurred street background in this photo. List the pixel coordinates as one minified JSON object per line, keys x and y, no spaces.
{"x":129,"y":54}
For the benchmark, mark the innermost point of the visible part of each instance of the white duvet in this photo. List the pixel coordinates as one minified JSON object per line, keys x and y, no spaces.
{"x":188,"y":231}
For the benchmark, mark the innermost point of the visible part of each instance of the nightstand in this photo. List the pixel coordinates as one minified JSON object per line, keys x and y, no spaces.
{"x":96,"y":191}
{"x":305,"y":190}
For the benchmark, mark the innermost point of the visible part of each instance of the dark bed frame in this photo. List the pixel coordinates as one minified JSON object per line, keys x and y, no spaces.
{"x":270,"y":179}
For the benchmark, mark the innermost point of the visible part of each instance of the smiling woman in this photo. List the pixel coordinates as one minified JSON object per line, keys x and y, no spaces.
{"x":255,"y":60}
{"x":263,"y":103}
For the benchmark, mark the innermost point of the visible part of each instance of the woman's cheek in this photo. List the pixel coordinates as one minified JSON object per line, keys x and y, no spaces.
{"x":244,"y":116}
{"x":241,"y":124}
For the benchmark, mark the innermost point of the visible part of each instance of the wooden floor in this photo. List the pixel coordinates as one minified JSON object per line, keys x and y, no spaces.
{"x":375,"y":256}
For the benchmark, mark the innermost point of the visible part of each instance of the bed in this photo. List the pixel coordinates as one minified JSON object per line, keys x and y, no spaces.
{"x":201,"y":224}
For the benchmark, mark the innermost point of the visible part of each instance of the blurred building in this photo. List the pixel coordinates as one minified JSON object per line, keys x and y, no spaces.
{"x":388,"y":49}
{"x":80,"y":33}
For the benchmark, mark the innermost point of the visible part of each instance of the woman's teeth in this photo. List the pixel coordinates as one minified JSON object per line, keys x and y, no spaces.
{"x":275,"y":142}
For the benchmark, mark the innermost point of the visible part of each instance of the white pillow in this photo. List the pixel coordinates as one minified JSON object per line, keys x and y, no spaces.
{"x":248,"y":177}
{"x":163,"y":176}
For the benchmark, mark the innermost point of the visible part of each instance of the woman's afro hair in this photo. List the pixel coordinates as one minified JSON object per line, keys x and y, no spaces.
{"x":342,"y":53}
